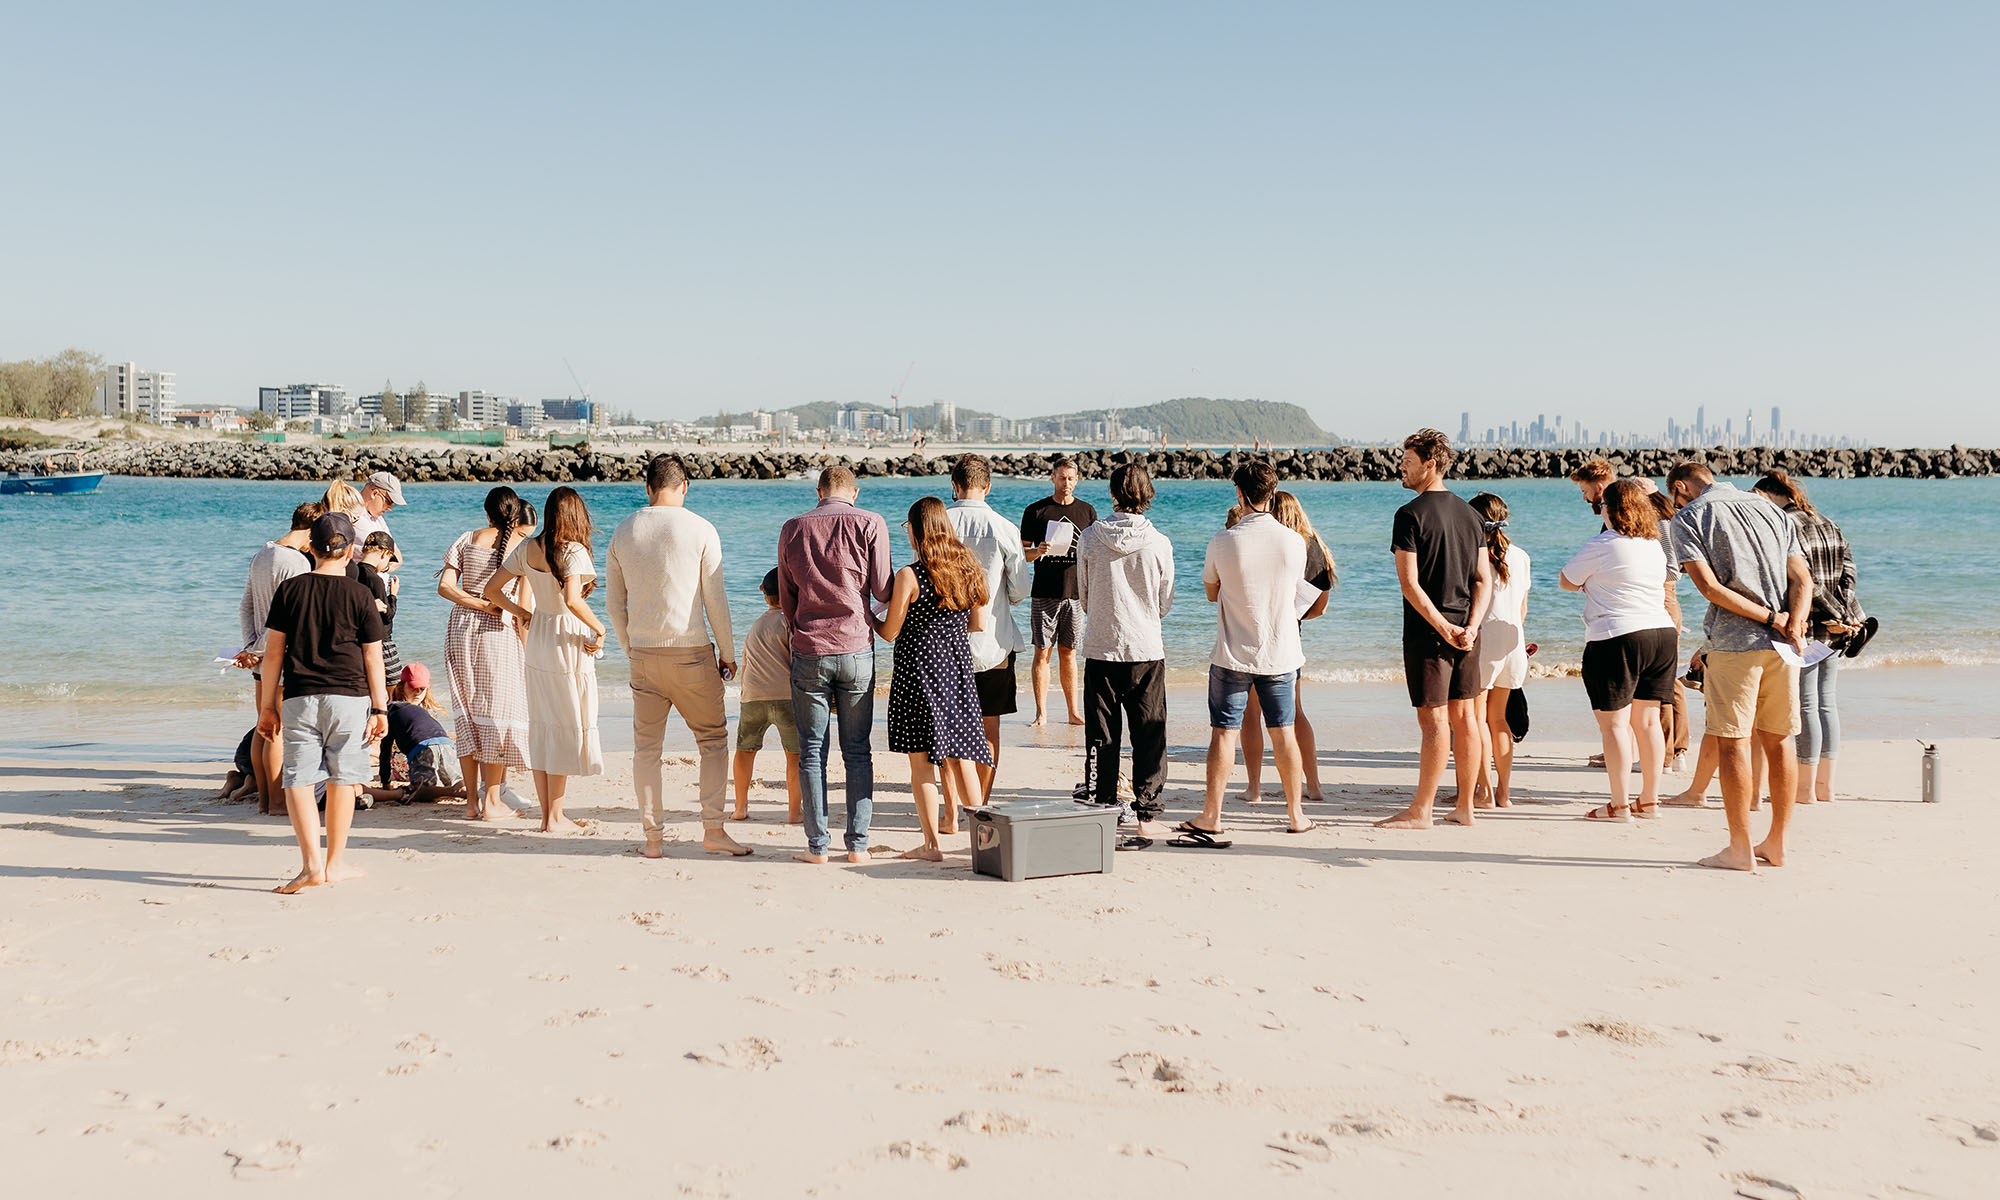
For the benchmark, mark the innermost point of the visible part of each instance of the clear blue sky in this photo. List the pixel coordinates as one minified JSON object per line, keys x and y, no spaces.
{"x":1385,"y":213}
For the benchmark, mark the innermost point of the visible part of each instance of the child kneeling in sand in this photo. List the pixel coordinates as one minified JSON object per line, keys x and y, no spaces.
{"x":414,"y":729}
{"x":327,"y":699}
{"x":766,"y":704}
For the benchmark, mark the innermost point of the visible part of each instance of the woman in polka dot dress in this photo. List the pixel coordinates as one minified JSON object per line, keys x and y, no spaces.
{"x":933,"y":706}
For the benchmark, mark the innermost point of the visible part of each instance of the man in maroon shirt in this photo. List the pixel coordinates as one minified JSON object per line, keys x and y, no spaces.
{"x":831,"y":560}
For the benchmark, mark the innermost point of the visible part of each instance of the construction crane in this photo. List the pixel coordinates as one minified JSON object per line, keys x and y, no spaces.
{"x":581,"y":390}
{"x":896,"y":397}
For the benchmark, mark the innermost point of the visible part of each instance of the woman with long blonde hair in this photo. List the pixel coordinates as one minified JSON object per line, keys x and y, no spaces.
{"x":934,"y":712}
{"x":1320,"y":573}
{"x":564,"y":640}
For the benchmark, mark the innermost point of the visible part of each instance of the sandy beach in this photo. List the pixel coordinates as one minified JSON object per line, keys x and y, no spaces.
{"x":1537,"y":1006}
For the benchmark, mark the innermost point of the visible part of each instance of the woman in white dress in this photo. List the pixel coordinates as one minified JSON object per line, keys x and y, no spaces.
{"x":564,"y":640}
{"x":1503,"y":650}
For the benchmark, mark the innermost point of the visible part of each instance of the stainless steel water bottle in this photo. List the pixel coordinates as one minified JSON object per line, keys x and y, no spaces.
{"x":1932,"y":784}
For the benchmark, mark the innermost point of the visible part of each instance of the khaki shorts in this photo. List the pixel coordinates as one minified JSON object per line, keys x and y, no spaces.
{"x":1750,"y":689}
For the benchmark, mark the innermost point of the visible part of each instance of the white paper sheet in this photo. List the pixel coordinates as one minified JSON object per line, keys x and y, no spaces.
{"x":1061,"y":537}
{"x":1303,"y":598}
{"x":1817,"y":652}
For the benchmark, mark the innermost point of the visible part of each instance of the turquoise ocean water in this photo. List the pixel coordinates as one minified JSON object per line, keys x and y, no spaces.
{"x":115,"y":603}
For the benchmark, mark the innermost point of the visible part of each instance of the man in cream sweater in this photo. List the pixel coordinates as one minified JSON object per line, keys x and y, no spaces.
{"x":671,"y":615}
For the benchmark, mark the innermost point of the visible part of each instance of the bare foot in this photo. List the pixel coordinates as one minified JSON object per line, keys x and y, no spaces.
{"x":1482,"y":800}
{"x":342,"y":872}
{"x":1314,"y":797}
{"x":1038,"y":722}
{"x":304,"y":879}
{"x":1768,"y":852}
{"x":495,"y":812}
{"x":794,"y":818}
{"x":721,"y":843}
{"x":741,"y":814}
{"x":926,"y":853}
{"x":1459,"y":816}
{"x":1729,"y":860}
{"x":857,"y":856}
{"x":1409,"y":818}
{"x":1687,"y":800}
{"x":1502,"y":800}
{"x":562,"y":824}
{"x":817,"y":860}
{"x":653,"y":848}
{"x":1154,"y":829}
{"x":1249,"y":796}
{"x":1076,"y":718}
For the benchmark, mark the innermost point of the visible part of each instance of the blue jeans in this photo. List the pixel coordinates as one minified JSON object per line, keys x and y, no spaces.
{"x":839,"y":687}
{"x":1819,"y":713}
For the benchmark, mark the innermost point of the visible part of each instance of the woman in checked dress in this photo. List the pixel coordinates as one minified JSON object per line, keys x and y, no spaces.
{"x":933,"y":705}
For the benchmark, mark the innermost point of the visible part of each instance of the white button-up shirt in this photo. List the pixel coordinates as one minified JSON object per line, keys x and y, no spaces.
{"x":996,"y":543}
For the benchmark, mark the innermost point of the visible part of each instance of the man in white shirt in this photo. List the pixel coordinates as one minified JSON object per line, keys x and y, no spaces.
{"x":996,"y":543}
{"x":668,"y":607}
{"x":381,"y":493}
{"x":1252,"y":575}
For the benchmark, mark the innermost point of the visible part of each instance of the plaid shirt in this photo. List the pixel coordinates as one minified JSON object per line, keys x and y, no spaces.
{"x":1832,"y":565}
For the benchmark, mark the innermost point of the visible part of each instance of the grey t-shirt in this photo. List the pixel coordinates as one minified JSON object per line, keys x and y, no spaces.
{"x":1745,"y":540}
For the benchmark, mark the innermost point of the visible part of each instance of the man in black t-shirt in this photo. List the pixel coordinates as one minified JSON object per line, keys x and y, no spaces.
{"x":1055,"y":607}
{"x":1445,"y":573}
{"x":327,"y":699}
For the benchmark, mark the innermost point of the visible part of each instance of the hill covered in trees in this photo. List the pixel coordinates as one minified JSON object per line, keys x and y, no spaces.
{"x":1203,"y":421}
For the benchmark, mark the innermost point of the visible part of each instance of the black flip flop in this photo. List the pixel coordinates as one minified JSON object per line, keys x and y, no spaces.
{"x":1200,"y":839}
{"x":1861,"y":638}
{"x":1135,"y":842}
{"x":1191,"y":828}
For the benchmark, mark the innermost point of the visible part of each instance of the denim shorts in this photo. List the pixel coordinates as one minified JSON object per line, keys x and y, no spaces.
{"x":1229,"y":695}
{"x":325,"y":738}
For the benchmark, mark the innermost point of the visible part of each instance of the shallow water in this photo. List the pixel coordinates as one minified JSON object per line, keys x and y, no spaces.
{"x":117,"y":601}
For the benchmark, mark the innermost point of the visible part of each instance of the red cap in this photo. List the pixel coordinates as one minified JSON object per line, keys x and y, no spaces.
{"x":417,"y":675}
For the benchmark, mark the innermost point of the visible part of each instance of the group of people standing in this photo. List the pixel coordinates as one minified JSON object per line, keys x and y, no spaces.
{"x":522,"y":640}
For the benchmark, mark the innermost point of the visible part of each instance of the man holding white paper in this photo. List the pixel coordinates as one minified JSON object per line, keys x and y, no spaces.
{"x":1055,"y":610}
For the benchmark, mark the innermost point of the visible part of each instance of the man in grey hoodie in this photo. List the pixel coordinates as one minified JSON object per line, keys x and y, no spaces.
{"x":1125,"y":570}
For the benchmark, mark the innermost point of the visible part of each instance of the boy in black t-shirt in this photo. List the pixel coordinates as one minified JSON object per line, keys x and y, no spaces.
{"x":1446,"y":577}
{"x":327,"y":635}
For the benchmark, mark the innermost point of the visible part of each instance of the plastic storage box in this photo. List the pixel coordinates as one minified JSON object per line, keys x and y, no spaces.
{"x":1033,"y":839}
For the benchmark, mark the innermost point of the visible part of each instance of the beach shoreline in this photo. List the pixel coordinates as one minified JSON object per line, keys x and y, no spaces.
{"x":1570,"y":1008}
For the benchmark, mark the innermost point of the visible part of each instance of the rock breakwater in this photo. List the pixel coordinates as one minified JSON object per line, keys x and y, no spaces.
{"x":467,"y":464}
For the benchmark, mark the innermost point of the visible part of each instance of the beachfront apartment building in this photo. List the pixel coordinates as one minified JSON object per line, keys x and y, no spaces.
{"x":126,"y":392}
{"x":327,"y":407}
{"x":484,"y":408}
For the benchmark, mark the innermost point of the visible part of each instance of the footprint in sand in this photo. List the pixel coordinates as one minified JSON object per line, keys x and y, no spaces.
{"x":422,"y":1049}
{"x":238,"y":954}
{"x":1623,"y":1032}
{"x":704,"y":972}
{"x":189,"y":1125}
{"x":1158,"y":1072}
{"x":549,"y":976}
{"x":992,"y":1124}
{"x":816,"y":982}
{"x":20,"y":1051}
{"x":578,"y":1017}
{"x":750,"y":1054}
{"x":1970,"y":1133}
{"x":925,"y":1152}
{"x":598,"y":1101}
{"x":577,"y":1139}
{"x":265,"y":1158}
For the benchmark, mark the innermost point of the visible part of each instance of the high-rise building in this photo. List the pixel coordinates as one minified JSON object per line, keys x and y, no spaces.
{"x":483,"y":408}
{"x":306,"y":400}
{"x":1777,"y":423}
{"x":1700,"y":423}
{"x":127,"y":392}
{"x":567,"y":410}
{"x":1464,"y":428}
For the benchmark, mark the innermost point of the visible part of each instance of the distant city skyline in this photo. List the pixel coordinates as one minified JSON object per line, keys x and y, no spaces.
{"x":1383,"y":214}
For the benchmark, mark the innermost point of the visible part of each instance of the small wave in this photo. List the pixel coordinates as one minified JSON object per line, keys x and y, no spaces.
{"x":1922,"y":658}
{"x":1355,"y":675}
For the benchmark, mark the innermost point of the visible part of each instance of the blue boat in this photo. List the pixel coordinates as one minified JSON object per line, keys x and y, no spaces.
{"x":56,"y":473}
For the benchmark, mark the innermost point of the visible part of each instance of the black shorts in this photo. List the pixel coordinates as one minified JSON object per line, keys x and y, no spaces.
{"x":997,"y":690}
{"x":1631,"y":666}
{"x":1437,"y":671}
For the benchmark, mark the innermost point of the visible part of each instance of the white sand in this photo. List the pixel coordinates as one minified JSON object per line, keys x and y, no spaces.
{"x":1537,"y":1006}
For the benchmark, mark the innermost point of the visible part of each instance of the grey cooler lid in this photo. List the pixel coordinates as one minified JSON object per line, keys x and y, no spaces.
{"x":1037,"y":810}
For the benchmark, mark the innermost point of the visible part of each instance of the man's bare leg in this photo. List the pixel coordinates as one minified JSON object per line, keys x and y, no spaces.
{"x":1434,"y":724}
{"x":794,"y":814}
{"x":1470,"y":730}
{"x":305,"y":827}
{"x":1758,"y":778}
{"x":1072,"y":685}
{"x":1733,"y":756}
{"x":267,"y":760}
{"x":1038,"y":683}
{"x":1252,"y":742}
{"x":1291,"y":775}
{"x":1706,"y":761}
{"x":339,"y":819}
{"x":1221,"y":760}
{"x":1501,"y":736}
{"x":741,"y":766}
{"x":985,"y":772}
{"x":1784,"y":785}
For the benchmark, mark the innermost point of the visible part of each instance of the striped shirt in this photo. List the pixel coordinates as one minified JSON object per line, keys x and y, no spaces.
{"x":1832,"y":565}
